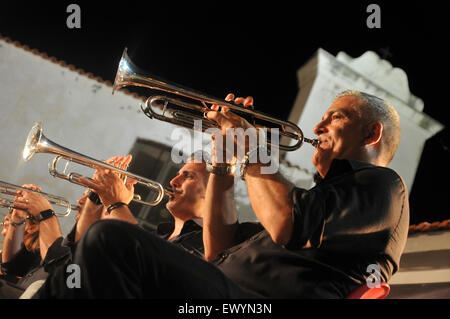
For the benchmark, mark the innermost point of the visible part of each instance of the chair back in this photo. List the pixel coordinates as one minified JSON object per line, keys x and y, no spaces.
{"x":364,"y":292}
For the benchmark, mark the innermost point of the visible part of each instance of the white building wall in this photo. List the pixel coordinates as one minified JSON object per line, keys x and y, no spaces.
{"x":76,"y":111}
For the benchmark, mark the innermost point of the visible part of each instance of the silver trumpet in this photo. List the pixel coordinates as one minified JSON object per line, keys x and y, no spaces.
{"x":38,"y":143}
{"x":183,"y":113}
{"x":9,"y":192}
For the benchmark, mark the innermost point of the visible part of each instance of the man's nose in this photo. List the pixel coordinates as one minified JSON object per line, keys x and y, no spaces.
{"x":320,"y":128}
{"x":175,"y":182}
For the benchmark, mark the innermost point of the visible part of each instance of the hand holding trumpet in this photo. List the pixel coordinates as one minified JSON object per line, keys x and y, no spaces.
{"x":226,"y":120}
{"x":31,"y":202}
{"x":110,"y":185}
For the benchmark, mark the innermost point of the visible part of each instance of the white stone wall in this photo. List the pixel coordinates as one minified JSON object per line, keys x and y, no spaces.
{"x":76,"y":111}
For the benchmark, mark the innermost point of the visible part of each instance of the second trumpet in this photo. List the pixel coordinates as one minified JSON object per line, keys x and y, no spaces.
{"x":9,"y":192}
{"x":38,"y":143}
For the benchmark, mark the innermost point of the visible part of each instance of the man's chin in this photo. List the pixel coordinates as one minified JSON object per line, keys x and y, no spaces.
{"x":321,"y":162}
{"x":171,"y":203}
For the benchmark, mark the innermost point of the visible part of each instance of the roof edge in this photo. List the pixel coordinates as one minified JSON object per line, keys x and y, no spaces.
{"x":64,"y":64}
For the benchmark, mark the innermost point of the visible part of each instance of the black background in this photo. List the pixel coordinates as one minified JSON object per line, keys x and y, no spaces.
{"x":256,"y":48}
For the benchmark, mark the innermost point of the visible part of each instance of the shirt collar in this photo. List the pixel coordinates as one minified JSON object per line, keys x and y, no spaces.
{"x":342,"y":166}
{"x":165,"y":229}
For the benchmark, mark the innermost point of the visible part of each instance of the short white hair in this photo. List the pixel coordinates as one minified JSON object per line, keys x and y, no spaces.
{"x":382,"y":111}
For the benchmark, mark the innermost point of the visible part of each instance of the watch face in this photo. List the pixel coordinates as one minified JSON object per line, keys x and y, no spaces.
{"x":46,"y":214}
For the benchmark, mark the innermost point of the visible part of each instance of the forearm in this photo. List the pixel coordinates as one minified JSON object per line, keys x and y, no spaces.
{"x":220,"y":220}
{"x":89,"y":215}
{"x":12,"y":242}
{"x":49,"y":231}
{"x":271,"y":200}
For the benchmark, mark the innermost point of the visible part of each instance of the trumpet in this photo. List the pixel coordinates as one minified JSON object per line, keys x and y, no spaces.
{"x":38,"y":143}
{"x":7,"y":189}
{"x":183,"y":113}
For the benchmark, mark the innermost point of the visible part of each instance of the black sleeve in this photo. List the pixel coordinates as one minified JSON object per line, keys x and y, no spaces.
{"x":308,"y":215}
{"x":69,"y":240}
{"x":57,"y":254}
{"x":22,"y":262}
{"x":246,"y":230}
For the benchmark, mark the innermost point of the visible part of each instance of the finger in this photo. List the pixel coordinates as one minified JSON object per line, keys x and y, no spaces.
{"x":101,"y":171}
{"x":128,"y":159}
{"x":21,"y":213}
{"x":111,"y":160}
{"x":239,"y":100}
{"x":229,"y":97}
{"x":92,"y":184}
{"x":248,"y":102}
{"x":21,"y":200}
{"x":130,"y":187}
{"x":117,"y":162}
{"x":125,"y":162}
{"x":220,"y":118}
{"x":131,"y":181}
{"x":234,"y":119}
{"x":32,"y":187}
{"x":110,"y":177}
{"x":20,"y":205}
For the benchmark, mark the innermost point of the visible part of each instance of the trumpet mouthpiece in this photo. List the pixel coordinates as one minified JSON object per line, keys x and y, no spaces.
{"x":313,"y":142}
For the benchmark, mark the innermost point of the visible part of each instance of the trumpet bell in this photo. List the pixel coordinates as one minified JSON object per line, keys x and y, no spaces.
{"x":126,"y":68}
{"x":33,"y":139}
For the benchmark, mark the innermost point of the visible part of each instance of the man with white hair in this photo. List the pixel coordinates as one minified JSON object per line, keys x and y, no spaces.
{"x":319,"y":243}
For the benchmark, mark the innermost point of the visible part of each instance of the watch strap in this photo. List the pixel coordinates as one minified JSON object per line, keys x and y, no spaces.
{"x":220,"y":170}
{"x":93,"y":197}
{"x":46,"y":214}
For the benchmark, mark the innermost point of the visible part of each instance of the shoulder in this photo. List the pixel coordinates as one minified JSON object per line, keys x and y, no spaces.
{"x":363,"y":173}
{"x":379,"y":176}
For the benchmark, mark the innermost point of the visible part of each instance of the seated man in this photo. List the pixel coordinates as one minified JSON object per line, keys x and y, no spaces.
{"x":313,"y":244}
{"x":185,"y":207}
{"x":325,"y":242}
{"x":28,"y":264}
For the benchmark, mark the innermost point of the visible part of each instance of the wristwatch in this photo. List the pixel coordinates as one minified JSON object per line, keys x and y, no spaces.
{"x":94,"y":197}
{"x":220,"y":170}
{"x":46,"y":214}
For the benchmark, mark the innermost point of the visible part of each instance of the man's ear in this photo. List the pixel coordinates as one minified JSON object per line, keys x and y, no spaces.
{"x":374,"y":132}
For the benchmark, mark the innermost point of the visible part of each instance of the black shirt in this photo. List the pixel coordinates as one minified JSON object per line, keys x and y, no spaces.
{"x":190,"y":237}
{"x":22,"y":265}
{"x":356,"y":217}
{"x":26,"y":266}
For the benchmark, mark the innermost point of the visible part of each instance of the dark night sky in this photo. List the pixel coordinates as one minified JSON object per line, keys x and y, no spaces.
{"x":256,"y":51}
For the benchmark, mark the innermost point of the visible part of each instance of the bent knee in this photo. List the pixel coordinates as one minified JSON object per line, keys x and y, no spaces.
{"x":105,"y":231}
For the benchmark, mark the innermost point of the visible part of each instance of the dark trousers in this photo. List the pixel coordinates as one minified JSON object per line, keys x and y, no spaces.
{"x":121,"y":260}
